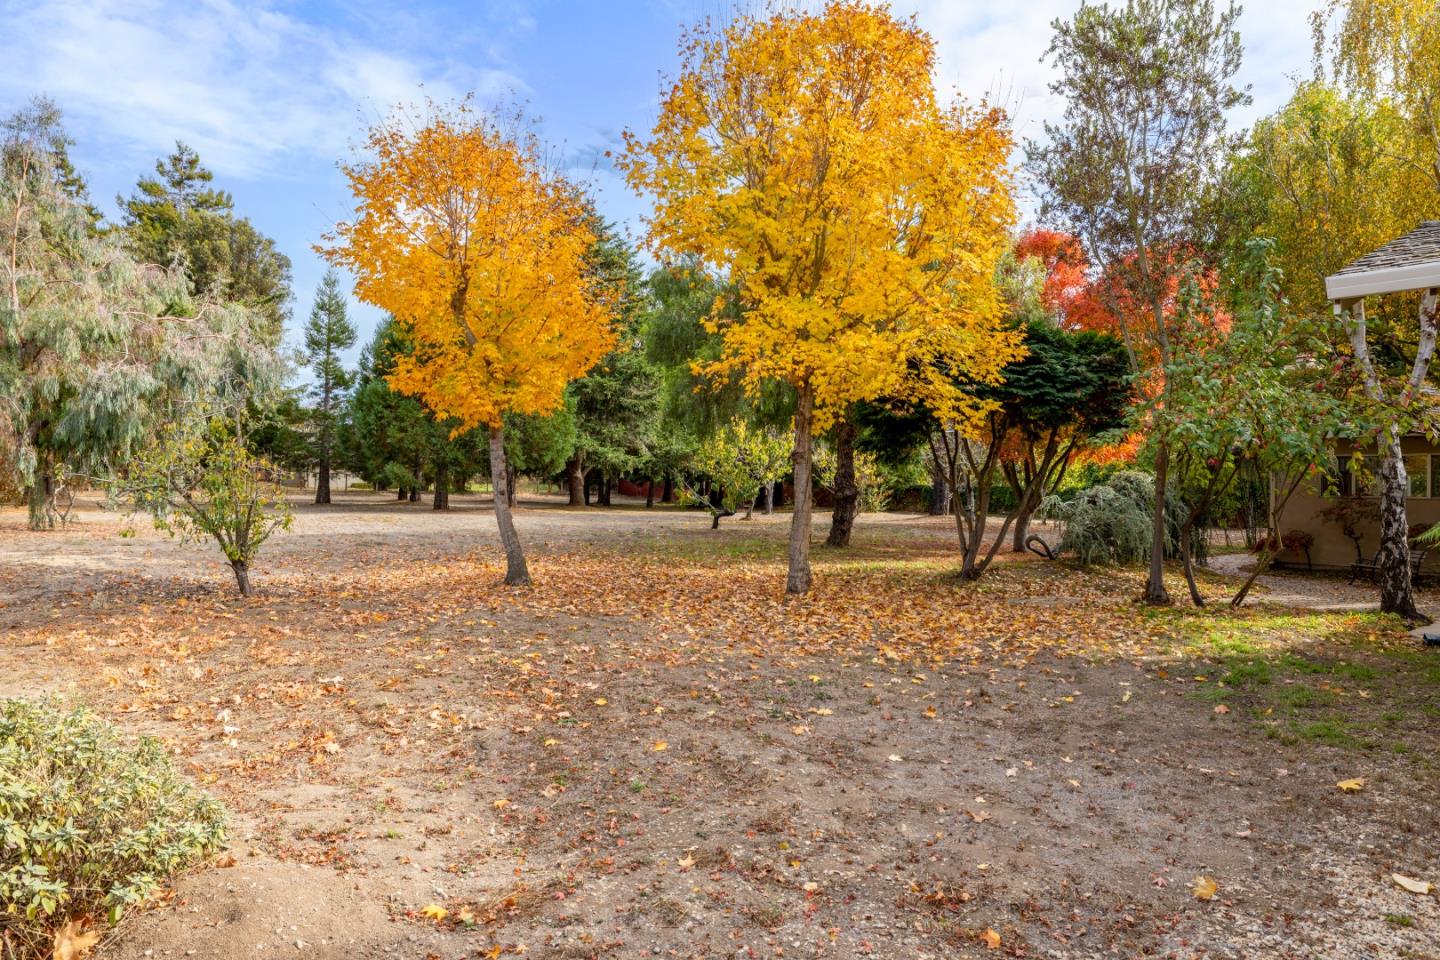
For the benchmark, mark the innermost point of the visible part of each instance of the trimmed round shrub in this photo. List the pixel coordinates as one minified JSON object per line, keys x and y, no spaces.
{"x":91,"y":827}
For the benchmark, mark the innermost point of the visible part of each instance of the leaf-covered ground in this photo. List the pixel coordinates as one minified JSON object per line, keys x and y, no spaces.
{"x":653,"y":752}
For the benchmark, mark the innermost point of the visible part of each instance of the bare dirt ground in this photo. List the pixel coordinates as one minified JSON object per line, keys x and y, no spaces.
{"x":654,"y":753}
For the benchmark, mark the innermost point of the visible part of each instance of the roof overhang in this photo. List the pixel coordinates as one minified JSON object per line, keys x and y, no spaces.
{"x":1346,"y":287}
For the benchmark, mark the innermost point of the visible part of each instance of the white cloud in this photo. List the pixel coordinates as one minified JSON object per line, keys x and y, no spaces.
{"x":251,"y":87}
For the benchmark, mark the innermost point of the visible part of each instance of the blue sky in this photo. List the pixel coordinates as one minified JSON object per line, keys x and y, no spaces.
{"x":272,"y":94}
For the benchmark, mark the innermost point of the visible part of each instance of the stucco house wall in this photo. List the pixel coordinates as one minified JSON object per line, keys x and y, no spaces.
{"x":1332,"y":550}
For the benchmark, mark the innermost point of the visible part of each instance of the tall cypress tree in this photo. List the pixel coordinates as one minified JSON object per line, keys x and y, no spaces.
{"x":177,"y":212}
{"x":327,"y":332}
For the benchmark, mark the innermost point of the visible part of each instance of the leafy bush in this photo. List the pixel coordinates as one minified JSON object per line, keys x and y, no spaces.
{"x":90,"y":827}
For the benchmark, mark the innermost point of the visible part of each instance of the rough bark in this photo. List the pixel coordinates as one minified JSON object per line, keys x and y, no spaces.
{"x":1155,"y":592}
{"x":649,"y":493}
{"x":939,"y":495}
{"x":441,"y":499}
{"x":322,"y":482}
{"x":1397,"y":593}
{"x":847,"y":491}
{"x":242,"y":576}
{"x":799,"y":578}
{"x":767,"y":495}
{"x":668,"y":496}
{"x":517,"y":574}
{"x":575,"y":480}
{"x":511,"y":484}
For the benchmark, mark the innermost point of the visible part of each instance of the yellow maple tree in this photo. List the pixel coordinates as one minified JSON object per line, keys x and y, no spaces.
{"x":807,"y":156}
{"x":464,"y":233}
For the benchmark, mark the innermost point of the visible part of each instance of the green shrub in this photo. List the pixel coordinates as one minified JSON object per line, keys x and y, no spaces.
{"x":1111,"y":522}
{"x":90,"y":827}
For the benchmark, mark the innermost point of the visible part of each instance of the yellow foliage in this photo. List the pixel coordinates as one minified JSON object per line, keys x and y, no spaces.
{"x":478,"y":250}
{"x":806,"y":156}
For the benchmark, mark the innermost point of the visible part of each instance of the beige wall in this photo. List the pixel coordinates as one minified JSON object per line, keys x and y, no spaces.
{"x":1335,"y":551}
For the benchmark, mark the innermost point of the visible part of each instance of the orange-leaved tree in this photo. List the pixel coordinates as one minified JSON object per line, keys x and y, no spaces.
{"x":806,"y":156}
{"x":465,"y":234}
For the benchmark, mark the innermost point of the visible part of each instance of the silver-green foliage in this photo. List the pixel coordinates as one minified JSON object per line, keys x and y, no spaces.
{"x":1107,"y":523}
{"x":91,"y":826}
{"x":95,"y":347}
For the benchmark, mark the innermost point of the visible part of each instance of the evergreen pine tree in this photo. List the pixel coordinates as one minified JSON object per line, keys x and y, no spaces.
{"x":327,"y":332}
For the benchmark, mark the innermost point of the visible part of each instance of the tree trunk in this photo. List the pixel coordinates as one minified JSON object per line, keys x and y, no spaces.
{"x":242,"y":576}
{"x":605,"y":487}
{"x":939,"y":496}
{"x":649,"y":493}
{"x":575,"y":480}
{"x":517,"y":574}
{"x":40,"y":494}
{"x":799,"y":578}
{"x":415,"y":493}
{"x":767,"y":497}
{"x":441,"y":499}
{"x":399,"y":493}
{"x":1393,"y":561}
{"x":1155,"y":592}
{"x":847,"y":492}
{"x":668,"y":496}
{"x":322,"y":482}
{"x":777,"y":498}
{"x":1189,"y":564}
{"x":510,"y":484}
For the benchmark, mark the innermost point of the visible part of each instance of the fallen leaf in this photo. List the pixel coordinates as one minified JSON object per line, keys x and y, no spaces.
{"x":1204,"y":888}
{"x":660,"y":745}
{"x":601,"y":701}
{"x":979,"y":816}
{"x":433,"y":911}
{"x":1221,"y":708}
{"x":990,"y":938}
{"x":1351,"y":786}
{"x":685,"y":862}
{"x":810,"y":886}
{"x":71,"y":942}
{"x":896,"y":758}
{"x":1421,"y":887}
{"x":500,"y":804}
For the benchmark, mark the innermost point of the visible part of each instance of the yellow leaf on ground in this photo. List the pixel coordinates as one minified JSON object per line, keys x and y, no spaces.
{"x":1352,"y":786}
{"x":991,"y":938}
{"x":660,"y":745}
{"x":1204,"y":888}
{"x":1414,"y":886}
{"x":71,"y":942}
{"x":685,"y":862}
{"x":433,"y":911}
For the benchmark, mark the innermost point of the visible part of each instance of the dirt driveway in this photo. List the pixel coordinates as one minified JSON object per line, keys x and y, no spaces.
{"x":654,"y":753}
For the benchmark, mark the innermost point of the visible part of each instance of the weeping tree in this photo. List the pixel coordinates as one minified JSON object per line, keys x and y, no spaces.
{"x":95,"y":347}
